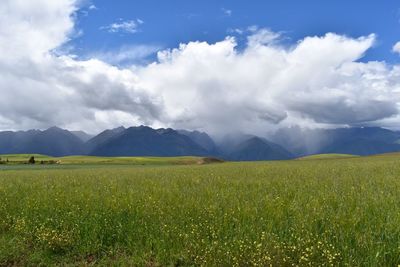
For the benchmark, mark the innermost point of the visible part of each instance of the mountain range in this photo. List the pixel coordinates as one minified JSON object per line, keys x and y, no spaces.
{"x":286,"y":143}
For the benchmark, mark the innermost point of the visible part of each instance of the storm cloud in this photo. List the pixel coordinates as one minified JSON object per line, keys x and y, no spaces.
{"x":217,"y":87}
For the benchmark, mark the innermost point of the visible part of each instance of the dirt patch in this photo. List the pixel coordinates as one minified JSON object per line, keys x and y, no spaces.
{"x":209,"y":160}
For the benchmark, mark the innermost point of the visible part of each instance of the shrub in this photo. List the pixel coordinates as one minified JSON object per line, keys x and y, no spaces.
{"x":31,"y":160}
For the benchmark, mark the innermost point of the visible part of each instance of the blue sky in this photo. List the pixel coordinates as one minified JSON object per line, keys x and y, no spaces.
{"x":168,"y":23}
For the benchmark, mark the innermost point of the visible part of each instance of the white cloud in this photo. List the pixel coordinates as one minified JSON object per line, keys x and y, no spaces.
{"x":128,"y":26}
{"x":235,"y":31}
{"x":214,"y":87}
{"x":257,"y":35}
{"x":318,"y":80}
{"x":396,"y":48}
{"x":227,"y":12}
{"x":127,"y":55}
{"x":26,"y":33}
{"x":39,"y":89}
{"x":262,"y":37}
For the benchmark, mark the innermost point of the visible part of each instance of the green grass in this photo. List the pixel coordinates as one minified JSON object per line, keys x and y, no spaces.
{"x":288,"y":213}
{"x":327,"y":156}
{"x":23,"y":158}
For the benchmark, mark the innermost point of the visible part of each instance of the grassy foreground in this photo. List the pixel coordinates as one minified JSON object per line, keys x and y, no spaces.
{"x":307,"y":213}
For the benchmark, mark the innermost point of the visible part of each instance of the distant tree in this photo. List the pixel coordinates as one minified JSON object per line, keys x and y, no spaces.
{"x":31,"y":160}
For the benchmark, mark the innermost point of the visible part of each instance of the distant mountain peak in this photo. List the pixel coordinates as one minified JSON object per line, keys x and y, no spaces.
{"x":120,"y":128}
{"x":82,"y":135}
{"x":256,"y":148}
{"x":55,"y":128}
{"x":53,"y":142}
{"x":256,"y":140}
{"x":146,"y":141}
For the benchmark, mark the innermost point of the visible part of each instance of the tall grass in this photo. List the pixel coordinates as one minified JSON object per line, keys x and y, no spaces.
{"x":307,"y":213}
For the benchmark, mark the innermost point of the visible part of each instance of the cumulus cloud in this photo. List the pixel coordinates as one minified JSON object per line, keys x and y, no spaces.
{"x":318,"y":81}
{"x":128,"y":26}
{"x":39,"y":89}
{"x":30,"y":29}
{"x":396,"y":48}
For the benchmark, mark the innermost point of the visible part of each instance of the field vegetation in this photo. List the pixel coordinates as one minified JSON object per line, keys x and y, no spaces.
{"x":322,"y":212}
{"x":328,"y":156}
{"x":17,"y":159}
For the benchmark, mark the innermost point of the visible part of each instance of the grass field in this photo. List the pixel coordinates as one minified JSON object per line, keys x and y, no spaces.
{"x":23,"y":159}
{"x":288,"y":213}
{"x":328,"y":156}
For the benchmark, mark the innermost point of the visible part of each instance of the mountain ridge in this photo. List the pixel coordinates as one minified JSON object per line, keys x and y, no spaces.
{"x":146,"y":141}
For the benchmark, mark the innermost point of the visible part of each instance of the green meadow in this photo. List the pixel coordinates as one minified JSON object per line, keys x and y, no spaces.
{"x":324,"y":211}
{"x":328,"y":156}
{"x":18,"y":159}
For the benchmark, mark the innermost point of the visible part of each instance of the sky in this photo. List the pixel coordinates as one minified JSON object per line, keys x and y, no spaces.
{"x":215,"y":66}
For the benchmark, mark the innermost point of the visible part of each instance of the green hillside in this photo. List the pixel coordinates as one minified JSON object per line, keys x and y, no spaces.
{"x":23,"y":159}
{"x":327,"y":156}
